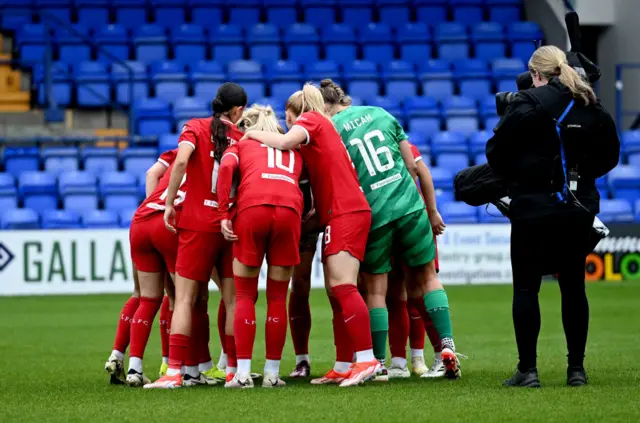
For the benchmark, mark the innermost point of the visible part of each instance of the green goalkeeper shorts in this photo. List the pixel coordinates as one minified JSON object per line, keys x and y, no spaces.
{"x":409,"y":238}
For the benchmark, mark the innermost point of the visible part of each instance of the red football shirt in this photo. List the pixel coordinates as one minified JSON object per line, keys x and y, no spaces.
{"x":200,"y":208}
{"x":155,"y":202}
{"x":267,"y":176}
{"x":334,"y":183}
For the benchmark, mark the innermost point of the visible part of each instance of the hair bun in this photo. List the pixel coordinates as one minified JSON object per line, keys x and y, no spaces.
{"x":327,"y":83}
{"x":217,"y":105}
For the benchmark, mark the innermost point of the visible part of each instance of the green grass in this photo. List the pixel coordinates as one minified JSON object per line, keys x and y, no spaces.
{"x":52,"y":351}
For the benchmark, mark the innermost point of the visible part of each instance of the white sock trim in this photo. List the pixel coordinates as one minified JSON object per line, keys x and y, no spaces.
{"x":135,"y":363}
{"x":192,"y":371}
{"x":222,"y":362}
{"x":341,"y":367}
{"x":118,"y":354}
{"x":244,"y":366}
{"x":231,"y":370}
{"x":399,"y":362}
{"x":364,"y":356}
{"x":165,"y":360}
{"x":272,"y":367}
{"x":203,"y":367}
{"x":173,"y":372}
{"x":302,"y":357}
{"x":417,"y":353}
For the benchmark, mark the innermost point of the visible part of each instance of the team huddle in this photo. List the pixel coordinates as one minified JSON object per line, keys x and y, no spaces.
{"x":237,"y":190}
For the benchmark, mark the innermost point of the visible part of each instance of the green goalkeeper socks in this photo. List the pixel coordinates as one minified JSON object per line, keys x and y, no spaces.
{"x":437,"y":305}
{"x":379,"y":329}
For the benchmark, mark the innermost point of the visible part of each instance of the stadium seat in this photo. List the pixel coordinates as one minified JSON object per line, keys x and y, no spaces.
{"x":323,"y":69}
{"x":504,"y":11}
{"x":206,"y":13}
{"x":624,"y":182}
{"x":99,"y":159}
{"x":72,"y":47}
{"x":603,"y":187}
{"x":38,"y":190}
{"x":302,"y":41}
{"x":138,"y":160}
{"x":60,"y":219}
{"x":60,"y":83}
{"x":377,"y":43}
{"x":340,"y":43}
{"x":616,"y":210}
{"x":436,"y":78}
{"x":427,"y":126}
{"x":281,"y":12}
{"x":462,"y":124}
{"x":488,"y":107}
{"x":442,"y":179}
{"x":18,"y":219}
{"x":130,"y":13}
{"x":78,"y":191}
{"x":227,"y":42}
{"x":449,"y":142}
{"x":167,"y":142}
{"x":491,"y":214}
{"x":390,"y":105}
{"x":459,"y":106}
{"x":206,"y":78}
{"x":14,"y":22}
{"x":478,"y":141}
{"x":150,"y":43}
{"x":185,"y":109}
{"x":491,"y":123}
{"x":153,"y":116}
{"x":245,"y":13}
{"x":54,"y":10}
{"x":249,"y":74}
{"x":189,"y":44}
{"x":119,"y":190}
{"x":60,"y":159}
{"x":126,"y":215}
{"x":93,"y":13}
{"x":8,"y":192}
{"x":421,"y":107}
{"x":92,"y":80}
{"x":264,"y":43}
{"x":480,"y":158}
{"x":455,"y":162}
{"x":113,"y":41}
{"x":169,"y":80}
{"x":357,"y":13}
{"x":31,"y":43}
{"x":320,"y":12}
{"x":458,"y":213}
{"x":363,"y":79}
{"x":100,"y":219}
{"x":431,"y":11}
{"x":123,"y":80}
{"x":489,"y":40}
{"x":401,"y":80}
{"x":467,"y":11}
{"x":21,"y":159}
{"x":393,"y":12}
{"x":452,"y":40}
{"x":414,"y":40}
{"x":168,"y":13}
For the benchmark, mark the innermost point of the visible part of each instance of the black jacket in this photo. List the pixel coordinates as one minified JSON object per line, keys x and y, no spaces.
{"x":525,"y":150}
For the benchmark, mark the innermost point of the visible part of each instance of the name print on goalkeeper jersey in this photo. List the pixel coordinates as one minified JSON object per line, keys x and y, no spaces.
{"x":372,"y":138}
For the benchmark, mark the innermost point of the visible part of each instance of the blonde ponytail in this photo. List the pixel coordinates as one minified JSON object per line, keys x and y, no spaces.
{"x":550,"y":61}
{"x":309,"y":99}
{"x":259,"y":118}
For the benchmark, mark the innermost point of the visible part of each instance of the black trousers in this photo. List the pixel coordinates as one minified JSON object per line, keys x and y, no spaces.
{"x":546,"y":246}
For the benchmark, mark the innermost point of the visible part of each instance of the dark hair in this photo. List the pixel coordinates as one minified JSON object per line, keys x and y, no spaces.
{"x":333,"y":94}
{"x":229,"y":95}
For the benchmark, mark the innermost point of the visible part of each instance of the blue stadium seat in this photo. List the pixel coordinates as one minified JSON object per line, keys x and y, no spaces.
{"x":78,"y":191}
{"x":169,"y":13}
{"x":72,"y":47}
{"x":401,"y":79}
{"x":38,"y":190}
{"x":340,"y":43}
{"x":322,"y":69}
{"x":100,"y":219}
{"x":458,"y":213}
{"x":488,"y":39}
{"x":506,"y":85}
{"x":119,"y":190}
{"x":452,"y":40}
{"x":393,"y":12}
{"x":463,"y":124}
{"x":264,"y":43}
{"x":283,"y":70}
{"x":245,"y":13}
{"x":523,"y":50}
{"x":449,"y":142}
{"x":389,"y":104}
{"x":442,"y":179}
{"x":60,"y":83}
{"x":507,"y":68}
{"x":357,"y":13}
{"x":491,"y":123}
{"x":377,"y":45}
{"x":92,"y":80}
{"x":153,"y":116}
{"x":99,"y":159}
{"x":169,"y":80}
{"x":431,"y":11}
{"x":31,"y":42}
{"x":206,"y":13}
{"x":478,"y":141}
{"x":114,"y":40}
{"x":130,"y":13}
{"x":616,"y":210}
{"x":15,"y":22}
{"x":414,"y":40}
{"x":523,"y":31}
{"x":420,"y":140}
{"x":480,"y":158}
{"x":20,"y":159}
{"x":427,"y":126}
{"x":504,"y":11}
{"x":137,"y":161}
{"x":250,"y":75}
{"x":206,"y":78}
{"x":436,"y":77}
{"x":60,"y":219}
{"x":18,"y":219}
{"x":473,"y":76}
{"x":603,"y":187}
{"x":126,"y":216}
{"x":459,"y":106}
{"x":8,"y":192}
{"x":281,"y":12}
{"x":630,"y":140}
{"x":167,"y":142}
{"x":302,"y":41}
{"x":93,"y":13}
{"x":491,"y":214}
{"x":60,"y":159}
{"x":185,"y":109}
{"x":488,"y":107}
{"x":467,"y":11}
{"x":625,"y":182}
{"x":122,"y":79}
{"x":189,"y":44}
{"x":320,"y":12}
{"x":476,"y":89}
{"x":59,"y":9}
{"x":363,"y":79}
{"x":227,"y":42}
{"x":421,"y":107}
{"x":150,"y":42}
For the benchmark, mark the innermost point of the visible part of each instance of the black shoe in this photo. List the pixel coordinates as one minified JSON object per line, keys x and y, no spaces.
{"x":576,"y":376}
{"x":527,"y":379}
{"x":303,"y":369}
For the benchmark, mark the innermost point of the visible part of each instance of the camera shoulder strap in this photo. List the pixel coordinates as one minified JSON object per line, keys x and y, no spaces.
{"x":562,"y":196}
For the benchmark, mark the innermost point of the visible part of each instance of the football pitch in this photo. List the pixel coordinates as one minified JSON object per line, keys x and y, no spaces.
{"x":53,"y":351}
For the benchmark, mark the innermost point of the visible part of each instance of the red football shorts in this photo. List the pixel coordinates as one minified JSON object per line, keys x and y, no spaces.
{"x":347,"y":232}
{"x":200,"y":252}
{"x":270,"y":230}
{"x":153,"y":248}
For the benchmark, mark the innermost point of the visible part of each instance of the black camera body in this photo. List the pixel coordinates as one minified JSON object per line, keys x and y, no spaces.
{"x":578,"y":61}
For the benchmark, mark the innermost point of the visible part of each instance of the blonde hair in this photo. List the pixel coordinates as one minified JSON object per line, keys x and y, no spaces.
{"x":259,"y":118}
{"x":550,"y":61}
{"x":333,"y":95}
{"x":309,"y":99}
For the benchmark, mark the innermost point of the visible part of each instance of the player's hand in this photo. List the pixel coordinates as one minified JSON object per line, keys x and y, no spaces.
{"x":227,"y":230}
{"x":437,"y":224}
{"x":170,"y":219}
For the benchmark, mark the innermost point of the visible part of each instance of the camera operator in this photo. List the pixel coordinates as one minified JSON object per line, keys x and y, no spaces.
{"x":550,"y":146}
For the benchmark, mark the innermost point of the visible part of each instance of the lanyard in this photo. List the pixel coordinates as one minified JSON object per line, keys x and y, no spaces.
{"x":563,"y":195}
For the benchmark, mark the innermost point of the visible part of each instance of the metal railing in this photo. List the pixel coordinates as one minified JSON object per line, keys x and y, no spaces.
{"x":47,"y":19}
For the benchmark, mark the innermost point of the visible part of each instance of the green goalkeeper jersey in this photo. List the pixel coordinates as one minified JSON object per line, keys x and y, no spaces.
{"x":372,"y":137}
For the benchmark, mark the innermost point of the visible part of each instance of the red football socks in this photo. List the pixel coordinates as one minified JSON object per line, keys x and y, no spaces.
{"x":165,"y":325}
{"x":141,"y":325}
{"x":355,"y":315}
{"x":300,"y":322}
{"x":178,"y":349}
{"x":416,"y":323}
{"x":204,"y":332}
{"x":276,"y":324}
{"x":244,"y":321}
{"x":222,"y":321}
{"x":230,"y":349}
{"x":398,"y":327}
{"x":124,"y":324}
{"x":341,"y":339}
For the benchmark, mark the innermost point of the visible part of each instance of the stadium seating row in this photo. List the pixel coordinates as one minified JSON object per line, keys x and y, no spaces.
{"x":265,"y":43}
{"x":170,"y":13}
